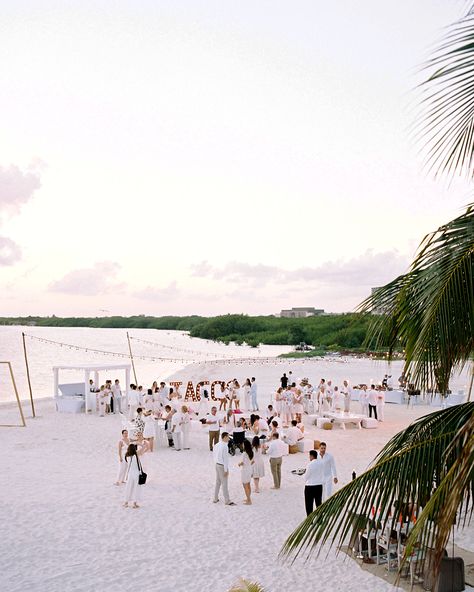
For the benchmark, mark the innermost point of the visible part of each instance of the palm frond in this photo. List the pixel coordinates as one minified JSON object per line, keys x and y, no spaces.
{"x":420,"y":461}
{"x":446,"y":128}
{"x":429,"y":311}
{"x":246,"y":586}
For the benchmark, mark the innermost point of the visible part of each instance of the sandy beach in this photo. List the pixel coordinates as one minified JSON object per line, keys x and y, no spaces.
{"x":66,"y":528}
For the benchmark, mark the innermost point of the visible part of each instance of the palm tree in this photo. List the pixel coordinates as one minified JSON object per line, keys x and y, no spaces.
{"x":246,"y":586}
{"x":429,"y":311}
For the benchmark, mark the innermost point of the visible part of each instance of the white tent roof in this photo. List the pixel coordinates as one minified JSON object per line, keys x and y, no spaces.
{"x":93,"y":367}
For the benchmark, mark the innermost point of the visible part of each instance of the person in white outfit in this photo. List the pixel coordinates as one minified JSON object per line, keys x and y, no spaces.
{"x":185,"y":426}
{"x":177,"y":430}
{"x":246,"y":472}
{"x":122,"y":448}
{"x":246,"y":394}
{"x":347,"y":392}
{"x":117,"y":394}
{"x":258,"y":469}
{"x":372,"y":400}
{"x":149,"y":429}
{"x":133,"y":489}
{"x":364,"y":400}
{"x":380,"y":404}
{"x":329,"y":470}
{"x":132,"y":402}
{"x":221,"y":460}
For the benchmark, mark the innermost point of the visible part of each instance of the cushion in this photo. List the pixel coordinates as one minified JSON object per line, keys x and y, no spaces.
{"x":293,"y":448}
{"x":327,"y":425}
{"x":370,"y":423}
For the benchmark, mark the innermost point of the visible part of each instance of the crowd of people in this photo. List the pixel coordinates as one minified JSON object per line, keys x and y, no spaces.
{"x":293,"y":398}
{"x":256,"y":436}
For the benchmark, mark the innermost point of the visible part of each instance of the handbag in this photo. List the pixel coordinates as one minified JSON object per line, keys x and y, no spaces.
{"x":141,"y":475}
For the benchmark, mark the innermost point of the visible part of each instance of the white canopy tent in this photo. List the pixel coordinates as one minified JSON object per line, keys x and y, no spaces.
{"x":88,"y":369}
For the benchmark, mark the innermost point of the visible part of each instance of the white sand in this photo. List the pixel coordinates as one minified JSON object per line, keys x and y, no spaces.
{"x":63,"y":527}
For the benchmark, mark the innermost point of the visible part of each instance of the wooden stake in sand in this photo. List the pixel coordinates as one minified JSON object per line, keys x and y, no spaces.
{"x":23,"y":423}
{"x":131,"y":359}
{"x":28,"y":376}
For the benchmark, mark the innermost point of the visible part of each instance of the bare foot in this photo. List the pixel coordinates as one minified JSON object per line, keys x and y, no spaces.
{"x":248,"y":503}
{"x":257,"y":491}
{"x":117,"y":483}
{"x":135,"y":506}
{"x":125,"y":505}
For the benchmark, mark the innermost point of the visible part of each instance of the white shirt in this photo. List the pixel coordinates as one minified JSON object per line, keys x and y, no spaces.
{"x":117,"y":390}
{"x":329,"y":465}
{"x":276,"y":449}
{"x":372,"y":397}
{"x":293,"y":435}
{"x":262,"y":425}
{"x":221,"y":454}
{"x":315,"y":472}
{"x":176,"y":422}
{"x":212,"y":422}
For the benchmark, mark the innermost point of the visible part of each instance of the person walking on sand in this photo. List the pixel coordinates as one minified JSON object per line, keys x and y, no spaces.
{"x":122,"y":447}
{"x":253,"y":394}
{"x":246,"y":472}
{"x":133,"y":489}
{"x":275,"y":451}
{"x":221,"y":460}
{"x":314,"y":478}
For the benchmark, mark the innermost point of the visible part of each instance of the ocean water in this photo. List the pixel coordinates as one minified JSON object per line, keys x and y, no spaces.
{"x":177,"y":350}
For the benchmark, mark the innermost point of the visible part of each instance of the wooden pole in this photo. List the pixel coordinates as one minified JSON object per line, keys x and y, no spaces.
{"x":28,"y":376}
{"x":23,"y":422}
{"x":131,"y":359}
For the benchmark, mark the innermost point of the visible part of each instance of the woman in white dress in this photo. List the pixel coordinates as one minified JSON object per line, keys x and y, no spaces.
{"x":278,"y":401}
{"x":122,"y":447}
{"x":132,"y":489}
{"x":246,"y":394}
{"x":185,"y":426}
{"x":337,"y":400}
{"x":246,"y":473}
{"x":298,"y":404}
{"x":230,"y":393}
{"x":364,"y":401}
{"x":258,"y":465}
{"x":236,"y":394}
{"x":149,"y":429}
{"x":148,"y":400}
{"x":286,"y":408}
{"x":102,"y":397}
{"x":222,"y":397}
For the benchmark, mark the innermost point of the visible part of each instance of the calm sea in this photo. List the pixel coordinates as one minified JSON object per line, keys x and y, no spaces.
{"x":177,"y":347}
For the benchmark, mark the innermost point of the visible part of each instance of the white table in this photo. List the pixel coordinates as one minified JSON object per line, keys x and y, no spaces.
{"x":344,"y":418}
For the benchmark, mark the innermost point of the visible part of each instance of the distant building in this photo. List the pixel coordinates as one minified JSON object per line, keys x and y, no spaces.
{"x":377,"y":309}
{"x":301,"y":312}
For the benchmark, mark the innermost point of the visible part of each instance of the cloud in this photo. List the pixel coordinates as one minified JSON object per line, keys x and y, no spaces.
{"x":367,"y":269}
{"x":10,"y":252}
{"x":16,"y":188}
{"x":170,"y":292}
{"x":92,"y":281}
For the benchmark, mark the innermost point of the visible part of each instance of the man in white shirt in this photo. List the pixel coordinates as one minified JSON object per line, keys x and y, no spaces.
{"x":314,"y":478}
{"x":329,"y":470}
{"x":212,"y":421}
{"x":117,"y":393}
{"x":221,"y":459}
{"x":372,"y":400}
{"x":275,"y":451}
{"x":270,"y":413}
{"x":253,"y":394}
{"x":294,"y":434}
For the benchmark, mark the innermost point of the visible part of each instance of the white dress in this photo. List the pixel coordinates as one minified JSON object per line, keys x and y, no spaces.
{"x":258,"y":465}
{"x":298,"y":403}
{"x":132,"y":489}
{"x":246,"y":397}
{"x":149,"y":429}
{"x":246,"y":469}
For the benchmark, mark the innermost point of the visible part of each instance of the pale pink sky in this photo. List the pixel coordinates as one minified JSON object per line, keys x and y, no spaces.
{"x":166,"y":157}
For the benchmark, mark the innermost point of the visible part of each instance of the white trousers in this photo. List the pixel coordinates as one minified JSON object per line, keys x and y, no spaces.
{"x":221,"y":480}
{"x":380,"y":407}
{"x":122,"y":472}
{"x":327,"y":489}
{"x":185,"y":436}
{"x":178,"y":440}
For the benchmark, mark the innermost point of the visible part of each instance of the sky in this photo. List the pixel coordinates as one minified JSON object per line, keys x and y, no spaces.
{"x":209,"y":157}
